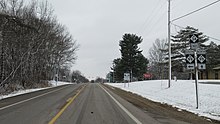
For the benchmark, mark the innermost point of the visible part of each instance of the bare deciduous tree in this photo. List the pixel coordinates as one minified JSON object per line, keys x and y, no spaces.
{"x":32,"y":44}
{"x":157,"y":58}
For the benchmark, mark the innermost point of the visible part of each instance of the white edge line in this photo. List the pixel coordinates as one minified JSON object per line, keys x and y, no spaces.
{"x":30,"y":99}
{"x":122,"y":107}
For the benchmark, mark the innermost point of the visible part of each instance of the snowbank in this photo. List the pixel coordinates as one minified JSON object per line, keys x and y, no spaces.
{"x":59,"y":83}
{"x":53,"y":84}
{"x":180,"y":95}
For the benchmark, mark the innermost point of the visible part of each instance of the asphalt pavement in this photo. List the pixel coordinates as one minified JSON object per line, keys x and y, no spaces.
{"x":97,"y":105}
{"x":72,"y":104}
{"x":37,"y":107}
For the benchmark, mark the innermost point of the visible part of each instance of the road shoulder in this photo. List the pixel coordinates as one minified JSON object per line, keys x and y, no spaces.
{"x":161,"y":112}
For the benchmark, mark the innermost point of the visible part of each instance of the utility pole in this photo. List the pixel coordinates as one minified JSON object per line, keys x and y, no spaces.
{"x":169,"y":43}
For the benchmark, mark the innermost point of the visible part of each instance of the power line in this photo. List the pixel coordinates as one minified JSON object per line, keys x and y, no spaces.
{"x":147,"y":19}
{"x":152,"y":16}
{"x":205,"y":35}
{"x":196,"y":10}
{"x":178,"y":4}
{"x":155,"y":25}
{"x":213,"y":38}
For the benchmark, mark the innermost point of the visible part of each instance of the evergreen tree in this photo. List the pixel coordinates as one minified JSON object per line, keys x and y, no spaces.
{"x":118,"y":71}
{"x":213,"y":56}
{"x":132,"y":60}
{"x":141,"y":66}
{"x":180,"y":43}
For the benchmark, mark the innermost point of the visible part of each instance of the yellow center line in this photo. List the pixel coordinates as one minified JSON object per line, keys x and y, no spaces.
{"x":70,"y":100}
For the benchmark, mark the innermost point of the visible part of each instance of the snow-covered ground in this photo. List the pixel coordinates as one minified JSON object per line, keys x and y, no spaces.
{"x":53,"y":83}
{"x":181,"y":94}
{"x":59,"y":83}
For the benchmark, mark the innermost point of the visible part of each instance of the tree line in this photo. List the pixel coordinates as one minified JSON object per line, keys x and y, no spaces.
{"x":33,"y":44}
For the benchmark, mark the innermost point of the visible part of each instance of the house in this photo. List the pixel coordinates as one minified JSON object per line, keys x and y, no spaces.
{"x":213,"y":73}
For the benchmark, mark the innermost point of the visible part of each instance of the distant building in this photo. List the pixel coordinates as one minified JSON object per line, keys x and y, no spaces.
{"x":213,"y":73}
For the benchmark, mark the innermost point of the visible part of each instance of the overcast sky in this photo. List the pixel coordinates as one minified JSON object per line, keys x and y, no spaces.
{"x":98,"y":25}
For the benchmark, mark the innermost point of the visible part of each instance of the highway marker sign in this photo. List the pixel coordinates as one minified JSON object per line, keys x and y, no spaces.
{"x":194,"y":41}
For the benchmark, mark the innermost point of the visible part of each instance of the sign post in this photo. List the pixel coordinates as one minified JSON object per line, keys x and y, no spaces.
{"x":196,"y":81}
{"x":126,"y":78}
{"x":195,"y":59}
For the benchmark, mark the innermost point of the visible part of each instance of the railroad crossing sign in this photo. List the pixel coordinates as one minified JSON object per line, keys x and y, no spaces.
{"x":190,"y":60}
{"x":194,"y":41}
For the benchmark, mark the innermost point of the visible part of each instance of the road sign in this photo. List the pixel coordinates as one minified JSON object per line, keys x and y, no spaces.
{"x":187,"y":51}
{"x":194,"y":41}
{"x":201,"y":58}
{"x":194,"y":38}
{"x":194,"y":46}
{"x":201,"y":66}
{"x":189,"y":56}
{"x":200,"y":51}
{"x":190,"y":66}
{"x":190,"y":60}
{"x":126,"y":76}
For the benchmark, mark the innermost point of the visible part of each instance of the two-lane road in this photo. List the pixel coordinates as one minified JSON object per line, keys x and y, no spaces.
{"x":73,"y":104}
{"x":95,"y":106}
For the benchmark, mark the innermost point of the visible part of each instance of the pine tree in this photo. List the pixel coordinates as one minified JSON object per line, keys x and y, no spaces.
{"x":132,"y":60}
{"x":180,"y":43}
{"x":141,"y":66}
{"x":118,"y":70}
{"x":213,"y":56}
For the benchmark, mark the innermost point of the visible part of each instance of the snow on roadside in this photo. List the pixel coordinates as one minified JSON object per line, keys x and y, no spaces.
{"x":15,"y":93}
{"x":59,"y":83}
{"x":180,"y":95}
